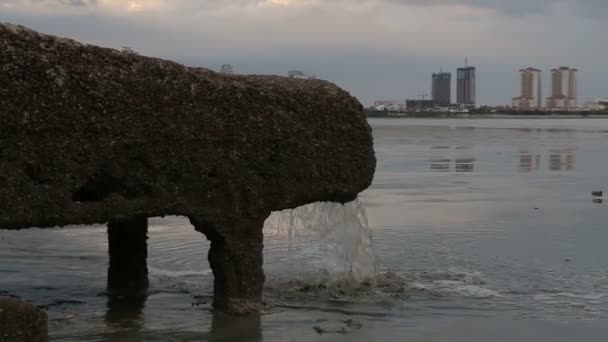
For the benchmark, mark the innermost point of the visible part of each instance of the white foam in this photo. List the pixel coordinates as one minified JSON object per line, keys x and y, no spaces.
{"x":455,"y":281}
{"x":476,"y":291}
{"x":588,"y":296}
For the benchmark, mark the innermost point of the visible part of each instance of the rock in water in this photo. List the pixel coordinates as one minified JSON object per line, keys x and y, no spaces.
{"x":92,"y":135}
{"x":21,"y":322}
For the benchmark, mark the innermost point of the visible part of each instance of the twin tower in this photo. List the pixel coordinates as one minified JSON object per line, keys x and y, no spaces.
{"x":465,"y":87}
{"x":564,"y":89}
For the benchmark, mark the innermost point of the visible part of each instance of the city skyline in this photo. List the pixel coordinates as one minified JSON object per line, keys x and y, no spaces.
{"x":388,"y":57}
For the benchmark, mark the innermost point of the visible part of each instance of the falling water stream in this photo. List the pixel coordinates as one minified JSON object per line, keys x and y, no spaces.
{"x":327,"y":239}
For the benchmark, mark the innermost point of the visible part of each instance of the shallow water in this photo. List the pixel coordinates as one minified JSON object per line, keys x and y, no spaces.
{"x":484,"y":230}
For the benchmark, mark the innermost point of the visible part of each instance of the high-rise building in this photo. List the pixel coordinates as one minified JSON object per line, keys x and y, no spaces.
{"x":465,"y":86}
{"x":442,"y":88}
{"x":531,"y":89}
{"x":564,"y":88}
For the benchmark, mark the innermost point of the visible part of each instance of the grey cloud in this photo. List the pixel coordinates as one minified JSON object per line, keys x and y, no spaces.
{"x":518,"y":7}
{"x":512,"y":7}
{"x":390,"y":55}
{"x":77,"y":3}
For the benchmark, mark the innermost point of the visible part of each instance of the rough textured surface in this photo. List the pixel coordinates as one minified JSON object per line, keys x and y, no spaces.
{"x":92,"y":135}
{"x":21,"y":322}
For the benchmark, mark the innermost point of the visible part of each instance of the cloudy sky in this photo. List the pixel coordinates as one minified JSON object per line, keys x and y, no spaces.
{"x":376,"y":49}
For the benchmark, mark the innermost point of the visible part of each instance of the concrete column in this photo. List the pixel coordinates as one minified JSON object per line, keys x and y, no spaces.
{"x":128,"y":249}
{"x":236,"y":260}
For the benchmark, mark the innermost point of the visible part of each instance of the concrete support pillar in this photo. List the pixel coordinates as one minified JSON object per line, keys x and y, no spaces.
{"x":236,"y":260}
{"x":128,"y":249}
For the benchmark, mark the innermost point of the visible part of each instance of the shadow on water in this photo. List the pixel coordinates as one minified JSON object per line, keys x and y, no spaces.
{"x":227,"y":328}
{"x":125,"y":321}
{"x":124,"y":317}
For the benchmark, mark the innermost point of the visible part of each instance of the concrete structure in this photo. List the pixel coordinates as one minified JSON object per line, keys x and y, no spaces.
{"x":466,"y":86}
{"x":564,"y":89}
{"x":93,"y":135}
{"x":441,"y":89}
{"x":531,"y":90}
{"x":301,"y":75}
{"x":227,"y":69}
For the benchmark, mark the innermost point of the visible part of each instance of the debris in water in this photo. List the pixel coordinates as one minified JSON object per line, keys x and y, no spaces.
{"x":319,"y":330}
{"x":353,"y":324}
{"x":340,"y":327}
{"x":597,"y":193}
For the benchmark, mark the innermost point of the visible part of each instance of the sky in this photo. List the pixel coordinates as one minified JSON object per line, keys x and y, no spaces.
{"x":375,"y":49}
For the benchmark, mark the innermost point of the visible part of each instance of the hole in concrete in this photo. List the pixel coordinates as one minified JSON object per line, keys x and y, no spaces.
{"x":103,"y":185}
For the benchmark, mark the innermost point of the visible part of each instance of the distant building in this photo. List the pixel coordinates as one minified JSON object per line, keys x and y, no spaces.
{"x":597,"y":104}
{"x":564,"y":88}
{"x":227,"y":69}
{"x":301,"y":75}
{"x":389,"y":105}
{"x":465,"y":86}
{"x":531,"y":90}
{"x":420,"y":104}
{"x":442,"y":89}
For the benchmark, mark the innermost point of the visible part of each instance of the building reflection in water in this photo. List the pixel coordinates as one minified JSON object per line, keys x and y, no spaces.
{"x":440,"y":165}
{"x":562,"y":160}
{"x":443,"y":164}
{"x":528,"y":162}
{"x":465,"y":165}
{"x":559,"y":160}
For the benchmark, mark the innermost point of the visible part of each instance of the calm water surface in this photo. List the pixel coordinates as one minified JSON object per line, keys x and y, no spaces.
{"x":484,"y":230}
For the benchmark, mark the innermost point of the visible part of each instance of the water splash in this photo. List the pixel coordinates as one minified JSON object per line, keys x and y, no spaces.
{"x":330,"y":240}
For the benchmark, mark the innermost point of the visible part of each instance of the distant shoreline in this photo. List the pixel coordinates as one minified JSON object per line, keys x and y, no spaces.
{"x":488,"y":116}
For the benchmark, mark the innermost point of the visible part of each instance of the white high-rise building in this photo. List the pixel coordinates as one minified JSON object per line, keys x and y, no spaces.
{"x":564,"y":90}
{"x":531,"y":90}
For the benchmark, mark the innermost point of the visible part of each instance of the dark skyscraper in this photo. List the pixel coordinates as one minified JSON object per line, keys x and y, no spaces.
{"x":442,"y":88}
{"x":466,"y":86}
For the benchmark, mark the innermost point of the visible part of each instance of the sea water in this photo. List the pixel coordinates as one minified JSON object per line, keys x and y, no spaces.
{"x":482,"y":230}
